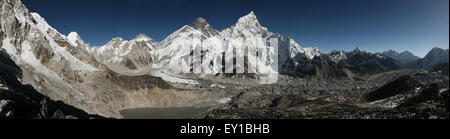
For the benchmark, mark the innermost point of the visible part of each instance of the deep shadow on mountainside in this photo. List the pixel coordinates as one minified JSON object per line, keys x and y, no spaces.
{"x":18,"y":101}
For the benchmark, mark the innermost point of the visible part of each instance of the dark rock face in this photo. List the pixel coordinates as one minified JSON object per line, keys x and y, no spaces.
{"x":129,"y":64}
{"x":202,"y":25}
{"x":43,"y":54}
{"x":443,"y":68}
{"x":20,"y":101}
{"x":404,"y":84}
{"x":27,"y":103}
{"x":325,"y":68}
{"x":430,"y":103}
{"x":428,"y":93}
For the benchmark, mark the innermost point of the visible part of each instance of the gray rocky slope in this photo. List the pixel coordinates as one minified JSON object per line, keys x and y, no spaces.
{"x":18,"y":101}
{"x":403,"y":98}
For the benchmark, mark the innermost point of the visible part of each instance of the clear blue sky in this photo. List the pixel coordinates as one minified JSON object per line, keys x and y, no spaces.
{"x":373,"y":25}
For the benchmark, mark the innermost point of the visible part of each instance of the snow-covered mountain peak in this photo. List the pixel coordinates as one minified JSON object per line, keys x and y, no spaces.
{"x":74,"y":39}
{"x":249,"y":21}
{"x":407,"y":53}
{"x":41,"y":23}
{"x":251,"y":15}
{"x":115,"y":40}
{"x":392,"y":52}
{"x":183,"y":32}
{"x":310,"y":53}
{"x":73,"y":36}
{"x":356,"y":51}
{"x":436,"y":50}
{"x":143,"y":40}
{"x":339,"y":55}
{"x":142,"y":37}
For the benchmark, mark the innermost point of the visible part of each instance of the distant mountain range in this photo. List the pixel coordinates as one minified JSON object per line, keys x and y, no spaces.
{"x":405,"y":57}
{"x":436,"y":56}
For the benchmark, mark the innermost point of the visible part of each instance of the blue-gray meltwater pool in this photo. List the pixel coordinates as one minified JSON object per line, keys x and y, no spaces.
{"x":163,"y":113}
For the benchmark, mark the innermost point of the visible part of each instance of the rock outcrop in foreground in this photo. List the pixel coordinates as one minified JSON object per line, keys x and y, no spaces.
{"x":411,"y":100}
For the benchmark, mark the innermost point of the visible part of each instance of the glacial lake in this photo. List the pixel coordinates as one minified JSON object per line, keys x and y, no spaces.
{"x":163,"y":113}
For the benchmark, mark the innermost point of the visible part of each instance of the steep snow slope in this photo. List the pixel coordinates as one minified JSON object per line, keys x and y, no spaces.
{"x":241,"y":42}
{"x":126,"y":56}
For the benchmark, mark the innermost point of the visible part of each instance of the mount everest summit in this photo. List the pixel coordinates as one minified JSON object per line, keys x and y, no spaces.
{"x":142,"y":72}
